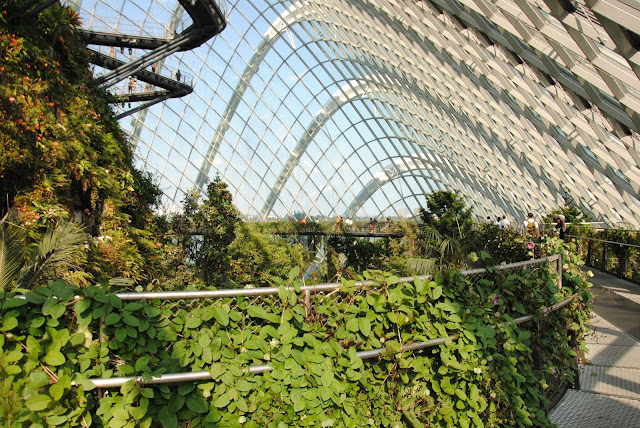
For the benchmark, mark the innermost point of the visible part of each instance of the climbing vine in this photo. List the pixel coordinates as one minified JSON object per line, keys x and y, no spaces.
{"x":488,"y":372}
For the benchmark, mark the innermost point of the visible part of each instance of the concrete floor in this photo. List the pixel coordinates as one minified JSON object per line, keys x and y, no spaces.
{"x":609,"y":395}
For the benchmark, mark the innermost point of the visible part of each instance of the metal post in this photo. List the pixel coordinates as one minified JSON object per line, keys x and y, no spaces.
{"x":589,"y":252}
{"x":604,"y":252}
{"x":622,"y":261}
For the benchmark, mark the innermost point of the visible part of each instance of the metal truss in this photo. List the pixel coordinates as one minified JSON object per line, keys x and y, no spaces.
{"x":359,"y":107}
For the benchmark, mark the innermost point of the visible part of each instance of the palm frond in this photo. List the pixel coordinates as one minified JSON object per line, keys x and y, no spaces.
{"x":61,"y":247}
{"x":12,"y":256}
{"x":420,"y":266}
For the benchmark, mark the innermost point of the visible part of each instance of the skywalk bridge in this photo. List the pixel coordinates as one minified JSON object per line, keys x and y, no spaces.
{"x":208,"y":20}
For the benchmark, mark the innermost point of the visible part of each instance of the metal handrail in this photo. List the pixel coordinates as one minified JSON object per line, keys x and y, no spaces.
{"x":265,"y":291}
{"x":205,"y":375}
{"x":604,"y":241}
{"x":373,"y":353}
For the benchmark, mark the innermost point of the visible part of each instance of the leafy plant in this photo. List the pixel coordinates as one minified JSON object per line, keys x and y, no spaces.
{"x":53,"y":342}
{"x":206,"y":230}
{"x":59,"y":253}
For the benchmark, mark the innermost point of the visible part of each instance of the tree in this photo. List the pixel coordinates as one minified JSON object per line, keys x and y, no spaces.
{"x":256,"y":257}
{"x":446,"y":226}
{"x":206,"y":230}
{"x":447,"y":213}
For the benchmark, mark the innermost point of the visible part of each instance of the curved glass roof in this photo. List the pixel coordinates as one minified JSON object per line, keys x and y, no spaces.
{"x":360,"y":108}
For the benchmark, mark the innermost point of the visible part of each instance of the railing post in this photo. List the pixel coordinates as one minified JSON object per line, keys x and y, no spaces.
{"x":604,"y":252}
{"x":559,"y":270}
{"x":622,"y":261}
{"x":589,"y":252}
{"x":578,"y":359}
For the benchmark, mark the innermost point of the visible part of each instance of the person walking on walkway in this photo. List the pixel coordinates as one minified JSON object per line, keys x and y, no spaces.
{"x":505,"y":223}
{"x":532,"y":226}
{"x":132,"y":85}
{"x":561,"y":225}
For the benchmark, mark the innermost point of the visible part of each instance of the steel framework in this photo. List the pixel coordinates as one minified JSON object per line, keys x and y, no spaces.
{"x":360,"y":107}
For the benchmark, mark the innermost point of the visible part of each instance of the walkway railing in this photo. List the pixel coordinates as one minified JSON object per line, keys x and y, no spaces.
{"x":332,"y":290}
{"x":607,"y":254}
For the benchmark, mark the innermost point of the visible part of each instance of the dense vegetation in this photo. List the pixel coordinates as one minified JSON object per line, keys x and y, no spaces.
{"x":59,"y":337}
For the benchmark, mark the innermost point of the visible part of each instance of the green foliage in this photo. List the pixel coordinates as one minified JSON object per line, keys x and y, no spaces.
{"x":62,"y":148}
{"x":256,"y":256}
{"x":12,"y":254}
{"x":361,"y":253}
{"x":571,"y":213}
{"x":506,"y":245}
{"x":50,"y":346}
{"x":448,"y":214}
{"x":447,"y":234}
{"x":206,"y":230}
{"x":59,"y":254}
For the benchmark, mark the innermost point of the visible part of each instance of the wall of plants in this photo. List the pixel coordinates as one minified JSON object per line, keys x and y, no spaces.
{"x":63,"y":154}
{"x":493,"y":374}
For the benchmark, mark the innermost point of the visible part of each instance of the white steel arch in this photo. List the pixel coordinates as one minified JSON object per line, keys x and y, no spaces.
{"x":537,"y":101}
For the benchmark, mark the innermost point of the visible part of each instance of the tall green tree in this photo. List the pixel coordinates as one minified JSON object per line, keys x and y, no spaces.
{"x":447,"y":213}
{"x":447,"y":225}
{"x":206,"y":229}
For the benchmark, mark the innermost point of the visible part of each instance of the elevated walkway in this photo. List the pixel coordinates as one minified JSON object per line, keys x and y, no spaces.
{"x":208,"y":20}
{"x":609,"y":394}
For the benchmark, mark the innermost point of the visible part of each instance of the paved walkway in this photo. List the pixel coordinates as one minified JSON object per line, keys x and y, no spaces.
{"x":609,"y":395}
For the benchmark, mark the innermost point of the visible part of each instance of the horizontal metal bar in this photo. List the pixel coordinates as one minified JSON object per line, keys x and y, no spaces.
{"x":266,"y":291}
{"x":605,"y":241}
{"x":373,"y":353}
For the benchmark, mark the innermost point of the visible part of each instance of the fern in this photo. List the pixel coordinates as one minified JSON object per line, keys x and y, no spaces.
{"x":61,"y":248}
{"x":12,"y":256}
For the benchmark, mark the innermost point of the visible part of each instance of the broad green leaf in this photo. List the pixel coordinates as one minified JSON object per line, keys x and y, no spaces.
{"x":327,"y":378}
{"x":131,"y":321}
{"x":151,"y":311}
{"x":56,"y":391}
{"x":39,"y":379}
{"x":185,"y":388}
{"x":54,"y":358}
{"x":221,"y":401}
{"x":9,"y":324}
{"x":197,"y":404}
{"x":437,"y":292}
{"x":112,"y":318}
{"x":56,"y":420}
{"x":82,"y":305}
{"x":216,"y":370}
{"x":294,"y":273}
{"x":221,"y":316}
{"x":439,"y":278}
{"x":39,"y":402}
{"x":352,"y":324}
{"x":115,"y":301}
{"x":121,"y":334}
{"x":13,"y":302}
{"x":244,"y":386}
{"x":365,"y":326}
{"x":62,"y":290}
{"x":193,"y":322}
{"x":167,"y":418}
{"x":282,"y":293}
{"x":257,"y":312}
{"x":325,"y":393}
{"x":13,"y":369}
{"x":133,"y":306}
{"x":53,"y":308}
{"x":61,"y":338}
